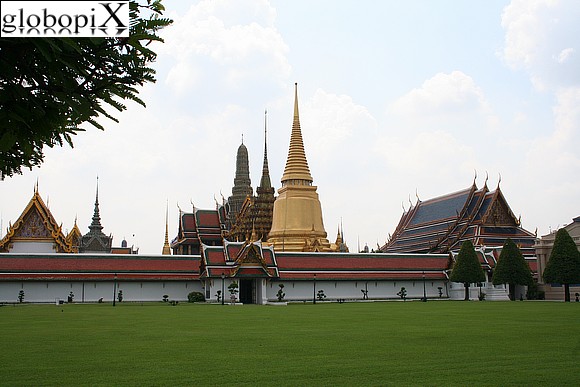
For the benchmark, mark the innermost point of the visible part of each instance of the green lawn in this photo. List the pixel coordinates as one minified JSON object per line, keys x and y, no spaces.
{"x":382,"y":343}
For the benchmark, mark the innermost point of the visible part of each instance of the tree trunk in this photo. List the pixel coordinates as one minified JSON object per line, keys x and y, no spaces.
{"x":566,"y":292}
{"x":466,"y":284}
{"x":512,"y":288}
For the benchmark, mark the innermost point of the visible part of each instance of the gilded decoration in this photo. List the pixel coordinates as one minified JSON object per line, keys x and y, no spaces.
{"x":36,"y":223}
{"x":32,"y":227}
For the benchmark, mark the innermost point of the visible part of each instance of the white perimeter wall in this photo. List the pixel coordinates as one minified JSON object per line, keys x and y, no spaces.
{"x":41,"y":291}
{"x":48,"y":291}
{"x":349,"y":290}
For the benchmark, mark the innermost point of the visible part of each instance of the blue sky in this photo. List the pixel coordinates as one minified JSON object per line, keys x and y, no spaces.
{"x":397,"y":99}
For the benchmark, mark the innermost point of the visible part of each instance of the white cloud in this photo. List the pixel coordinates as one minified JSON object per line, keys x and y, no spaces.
{"x":443,"y":94}
{"x":541,"y":37}
{"x":224,"y":45}
{"x":331,"y":122}
{"x":565,"y":55}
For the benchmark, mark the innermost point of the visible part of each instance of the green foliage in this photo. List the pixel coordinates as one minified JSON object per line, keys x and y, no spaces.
{"x":563,"y":267}
{"x":218,"y":295}
{"x":467,"y":268}
{"x":165,"y":297}
{"x":512,"y":268}
{"x":21,"y":296}
{"x":197,"y":297}
{"x":320,"y":295}
{"x":51,"y":87}
{"x":564,"y":264}
{"x":280,"y":295}
{"x":532,"y":293}
{"x":120,"y":296}
{"x":431,"y":334}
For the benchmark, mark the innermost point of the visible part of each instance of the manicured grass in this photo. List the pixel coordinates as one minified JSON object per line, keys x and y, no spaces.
{"x":383,"y":343}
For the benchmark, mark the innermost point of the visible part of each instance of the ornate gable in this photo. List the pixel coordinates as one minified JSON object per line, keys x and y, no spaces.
{"x":250,"y":257}
{"x":499,"y":213}
{"x":73,"y":238}
{"x":36,"y":224}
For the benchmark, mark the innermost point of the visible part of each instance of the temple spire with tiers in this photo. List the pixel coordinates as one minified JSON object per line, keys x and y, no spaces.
{"x":255,"y":218}
{"x":297,"y":223}
{"x":95,"y":241}
{"x":242,"y":184}
{"x":166,"y":248}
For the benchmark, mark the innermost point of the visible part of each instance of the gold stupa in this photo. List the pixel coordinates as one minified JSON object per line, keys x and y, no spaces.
{"x":297,"y":219}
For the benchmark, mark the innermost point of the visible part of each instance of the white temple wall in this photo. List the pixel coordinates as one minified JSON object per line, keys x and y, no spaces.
{"x":351,"y":290}
{"x":92,"y":291}
{"x":32,"y":247}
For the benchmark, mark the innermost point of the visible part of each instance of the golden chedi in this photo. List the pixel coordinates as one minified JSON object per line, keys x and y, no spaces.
{"x":297,"y":219}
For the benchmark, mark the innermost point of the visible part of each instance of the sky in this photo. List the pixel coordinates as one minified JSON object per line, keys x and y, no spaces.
{"x":398,"y":100}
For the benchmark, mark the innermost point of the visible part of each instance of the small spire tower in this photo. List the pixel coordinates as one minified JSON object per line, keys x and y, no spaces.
{"x":166,"y":248}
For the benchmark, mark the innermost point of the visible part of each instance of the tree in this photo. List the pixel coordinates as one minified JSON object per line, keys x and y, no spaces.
{"x":563,"y":267}
{"x":467,"y":268}
{"x":50,"y":87}
{"x":512,"y":268}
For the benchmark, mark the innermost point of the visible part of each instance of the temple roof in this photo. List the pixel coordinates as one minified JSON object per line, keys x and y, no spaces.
{"x":238,"y":259}
{"x":331,"y":266}
{"x":97,"y":267}
{"x":296,"y":164}
{"x":441,"y":224}
{"x":36,"y":223}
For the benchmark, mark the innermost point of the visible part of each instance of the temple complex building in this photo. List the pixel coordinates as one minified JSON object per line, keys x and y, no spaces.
{"x":262,"y":244}
{"x":442,"y":224}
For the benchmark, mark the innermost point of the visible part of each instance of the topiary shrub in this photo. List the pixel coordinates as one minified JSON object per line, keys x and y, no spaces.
{"x":402,"y":293}
{"x":195,"y":297}
{"x":280,"y":295}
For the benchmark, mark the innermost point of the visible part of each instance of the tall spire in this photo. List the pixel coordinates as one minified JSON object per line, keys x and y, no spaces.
{"x":297,"y":215}
{"x":95,"y":226}
{"x":166,"y":249}
{"x":95,"y":240}
{"x":265,"y":181}
{"x":296,"y":171}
